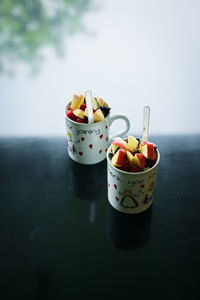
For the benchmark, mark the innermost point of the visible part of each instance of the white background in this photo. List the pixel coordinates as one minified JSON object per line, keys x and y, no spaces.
{"x":141,"y":52}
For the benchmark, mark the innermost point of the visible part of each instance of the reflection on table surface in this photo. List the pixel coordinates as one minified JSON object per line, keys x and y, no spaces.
{"x":60,"y":237}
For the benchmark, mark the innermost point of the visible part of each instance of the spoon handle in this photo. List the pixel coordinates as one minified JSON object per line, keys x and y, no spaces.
{"x":146,"y":118}
{"x":88,"y":100}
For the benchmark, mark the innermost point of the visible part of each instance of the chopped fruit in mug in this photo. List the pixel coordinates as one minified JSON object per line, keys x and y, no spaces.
{"x":79,"y":120}
{"x":132,"y":156}
{"x":77,"y":100}
{"x":121,"y":143}
{"x":71,"y":115}
{"x":79,"y":113}
{"x":78,"y":109}
{"x":98,"y":115}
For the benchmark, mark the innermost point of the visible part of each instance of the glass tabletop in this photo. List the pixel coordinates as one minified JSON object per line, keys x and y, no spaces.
{"x":61,"y":238}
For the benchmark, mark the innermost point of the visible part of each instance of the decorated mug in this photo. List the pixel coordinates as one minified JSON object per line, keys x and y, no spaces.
{"x":88,"y":143}
{"x":130,"y":192}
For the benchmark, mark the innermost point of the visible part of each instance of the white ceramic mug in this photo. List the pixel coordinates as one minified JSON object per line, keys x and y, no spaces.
{"x":130,"y":192}
{"x":88,"y":143}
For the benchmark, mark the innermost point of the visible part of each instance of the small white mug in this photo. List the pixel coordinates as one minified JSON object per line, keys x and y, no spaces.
{"x":88,"y":143}
{"x":130,"y":192}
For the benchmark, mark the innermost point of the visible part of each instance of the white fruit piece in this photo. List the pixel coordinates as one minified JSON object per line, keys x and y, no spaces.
{"x":98,"y":115}
{"x":94,"y":103}
{"x":148,"y":150}
{"x":100,"y":101}
{"x":121,"y":143}
{"x":114,"y":148}
{"x":132,"y":143}
{"x":86,"y":112}
{"x":132,"y":159}
{"x":77,"y":100}
{"x":140,"y":160}
{"x":118,"y":158}
{"x":79,"y":113}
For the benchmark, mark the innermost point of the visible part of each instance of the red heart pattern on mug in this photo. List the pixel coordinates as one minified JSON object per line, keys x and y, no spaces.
{"x":82,"y":139}
{"x":117,"y":198}
{"x":100,"y":151}
{"x":80,"y":153}
{"x":101,"y":136}
{"x":90,"y":146}
{"x":115,"y":186}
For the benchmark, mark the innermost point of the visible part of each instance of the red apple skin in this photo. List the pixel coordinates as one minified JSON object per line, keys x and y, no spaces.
{"x":121,"y":143}
{"x":83,"y":106}
{"x":79,"y":120}
{"x":135,"y":169}
{"x":71,"y":115}
{"x":120,"y":156}
{"x":125,"y":165}
{"x":141,"y":158}
{"x":149,"y":149}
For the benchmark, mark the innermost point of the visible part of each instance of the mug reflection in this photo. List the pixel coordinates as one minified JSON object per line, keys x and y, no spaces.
{"x":88,"y":183}
{"x":128,"y":231}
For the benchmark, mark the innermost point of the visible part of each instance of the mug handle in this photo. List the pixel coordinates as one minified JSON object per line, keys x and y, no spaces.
{"x":120,"y":132}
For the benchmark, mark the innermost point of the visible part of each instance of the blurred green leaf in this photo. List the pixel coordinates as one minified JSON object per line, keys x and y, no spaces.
{"x":26,"y":26}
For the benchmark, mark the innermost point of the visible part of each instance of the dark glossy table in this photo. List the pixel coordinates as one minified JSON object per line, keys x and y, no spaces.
{"x":60,"y":238}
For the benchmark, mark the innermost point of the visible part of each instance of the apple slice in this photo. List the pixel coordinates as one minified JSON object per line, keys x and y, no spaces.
{"x":71,"y":115}
{"x":98,"y":115}
{"x":121,"y":143}
{"x":133,"y":160}
{"x":77,"y":100}
{"x":135,"y":169}
{"x":79,"y":113}
{"x":147,"y":150}
{"x":125,"y":165}
{"x":118,"y":158}
{"x":139,"y":160}
{"x":100,"y":101}
{"x":94,"y":103}
{"x":132,"y":143}
{"x":130,"y":157}
{"x":86,"y":112}
{"x":114,"y":148}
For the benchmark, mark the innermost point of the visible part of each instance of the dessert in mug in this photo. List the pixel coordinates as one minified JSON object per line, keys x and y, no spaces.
{"x":133,"y":155}
{"x":77,"y":110}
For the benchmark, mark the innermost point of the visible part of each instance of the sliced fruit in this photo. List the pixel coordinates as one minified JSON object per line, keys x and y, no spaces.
{"x":133,"y":160}
{"x":114,"y":148}
{"x":98,"y":115}
{"x":71,"y":115}
{"x":139,"y":160}
{"x":100,"y":101}
{"x":147,"y":150}
{"x":83,"y":106}
{"x":79,"y":120}
{"x":79,"y":113}
{"x":77,"y":100}
{"x":86,"y":112}
{"x":130,"y":157}
{"x":118,"y":158}
{"x":132,"y":143}
{"x":125,"y":165}
{"x":94,"y":103}
{"x":121,"y":143}
{"x":135,"y":169}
